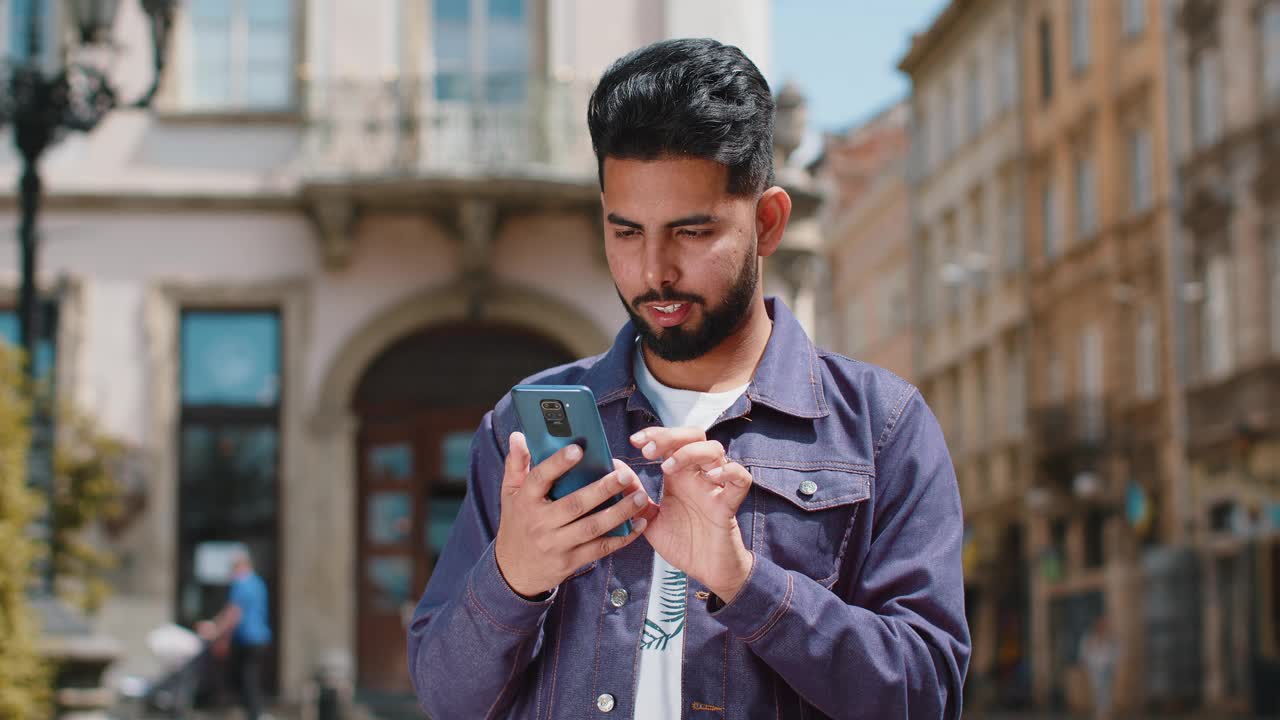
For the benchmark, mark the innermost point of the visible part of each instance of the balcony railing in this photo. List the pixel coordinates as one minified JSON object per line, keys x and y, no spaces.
{"x":400,"y":129}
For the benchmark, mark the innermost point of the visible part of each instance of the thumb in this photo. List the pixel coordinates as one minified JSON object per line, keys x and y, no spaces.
{"x":517,"y":465}
{"x":737,"y":483}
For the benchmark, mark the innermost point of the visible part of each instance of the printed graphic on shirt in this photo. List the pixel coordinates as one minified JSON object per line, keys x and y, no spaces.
{"x":669,"y":623}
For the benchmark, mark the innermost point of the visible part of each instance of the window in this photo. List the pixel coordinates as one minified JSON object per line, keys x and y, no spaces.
{"x":948,"y":126}
{"x":1133,"y":17}
{"x":1049,"y":220}
{"x":1079,"y":34}
{"x":481,"y":50}
{"x":982,"y":429}
{"x":15,"y":20}
{"x":45,"y":341}
{"x":229,"y":442}
{"x":1273,"y":245}
{"x":1013,"y":240}
{"x":1215,"y":319}
{"x":929,"y":268}
{"x":1057,"y":388}
{"x":957,"y":412}
{"x":979,"y":259}
{"x":1140,"y":171}
{"x":1146,"y":355}
{"x":953,"y":271}
{"x":241,"y":55}
{"x":1015,"y":389}
{"x":893,"y":304}
{"x":1086,"y":198}
{"x":1271,"y":50}
{"x":1008,"y":62}
{"x":1091,"y":382}
{"x":1205,"y":111}
{"x":976,"y":120}
{"x":1046,"y":60}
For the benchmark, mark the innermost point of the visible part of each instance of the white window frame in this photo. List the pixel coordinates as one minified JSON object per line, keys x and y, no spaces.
{"x":975,"y":115}
{"x":1016,"y":397}
{"x":1080,"y":49}
{"x":1206,"y":98}
{"x":1133,"y":17}
{"x":1014,"y":241}
{"x":1141,"y":171}
{"x":1270,"y":39}
{"x":1008,"y":62}
{"x":1049,"y":220}
{"x":1092,"y":383}
{"x":238,"y":101}
{"x":1216,"y":332}
{"x":1086,"y":197}
{"x":1146,"y":355}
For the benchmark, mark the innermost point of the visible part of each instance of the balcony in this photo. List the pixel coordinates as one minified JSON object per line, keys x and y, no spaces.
{"x":1241,"y":405}
{"x":1071,"y":440}
{"x":370,"y":130}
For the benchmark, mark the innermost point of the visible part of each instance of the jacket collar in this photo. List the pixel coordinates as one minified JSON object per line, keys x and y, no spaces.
{"x":787,"y":379}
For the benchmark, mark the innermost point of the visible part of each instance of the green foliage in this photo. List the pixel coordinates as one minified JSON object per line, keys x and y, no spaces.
{"x":86,"y":490}
{"x":24,"y":678}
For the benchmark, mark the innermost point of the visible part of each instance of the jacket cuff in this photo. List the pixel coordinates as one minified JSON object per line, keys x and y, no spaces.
{"x":490,"y":595}
{"x":761,"y":602}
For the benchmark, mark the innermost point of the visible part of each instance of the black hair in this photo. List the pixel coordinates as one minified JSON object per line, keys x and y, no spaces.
{"x":691,"y":97}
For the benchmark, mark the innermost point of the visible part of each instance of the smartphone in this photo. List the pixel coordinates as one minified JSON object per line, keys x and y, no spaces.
{"x":554,"y":416}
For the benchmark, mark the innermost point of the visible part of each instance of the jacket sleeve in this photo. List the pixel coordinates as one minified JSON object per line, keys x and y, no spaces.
{"x":472,"y":637}
{"x":893,"y":642}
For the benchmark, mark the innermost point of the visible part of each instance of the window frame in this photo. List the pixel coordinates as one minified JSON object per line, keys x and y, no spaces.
{"x":185,"y":101}
{"x":1081,"y":42}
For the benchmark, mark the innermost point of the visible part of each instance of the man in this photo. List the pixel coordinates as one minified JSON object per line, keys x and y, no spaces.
{"x":245,"y":618}
{"x":801,"y":520}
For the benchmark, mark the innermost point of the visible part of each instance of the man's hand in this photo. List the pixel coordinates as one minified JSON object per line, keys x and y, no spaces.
{"x":540,"y":541}
{"x":696,"y":525}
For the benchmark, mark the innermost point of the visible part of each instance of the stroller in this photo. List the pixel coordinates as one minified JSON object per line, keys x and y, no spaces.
{"x":184,"y":659}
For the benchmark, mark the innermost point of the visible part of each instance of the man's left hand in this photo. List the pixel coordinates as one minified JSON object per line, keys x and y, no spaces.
{"x":695,"y":527}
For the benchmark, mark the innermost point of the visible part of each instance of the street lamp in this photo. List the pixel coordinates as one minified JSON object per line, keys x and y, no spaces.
{"x":41,"y":104}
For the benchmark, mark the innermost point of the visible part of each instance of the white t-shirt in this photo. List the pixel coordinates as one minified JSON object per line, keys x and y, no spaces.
{"x":662,"y":645}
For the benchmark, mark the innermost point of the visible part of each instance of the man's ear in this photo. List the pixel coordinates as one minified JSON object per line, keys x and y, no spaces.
{"x":773,"y":210}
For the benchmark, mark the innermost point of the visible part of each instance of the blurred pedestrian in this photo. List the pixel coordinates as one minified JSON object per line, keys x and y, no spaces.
{"x":244,"y":620}
{"x":1098,"y":654}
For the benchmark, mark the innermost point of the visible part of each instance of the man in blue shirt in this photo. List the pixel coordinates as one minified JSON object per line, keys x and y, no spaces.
{"x":812,"y":526}
{"x":245,"y":617}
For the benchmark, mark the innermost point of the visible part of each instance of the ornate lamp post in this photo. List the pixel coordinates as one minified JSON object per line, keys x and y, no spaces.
{"x":42,"y":104}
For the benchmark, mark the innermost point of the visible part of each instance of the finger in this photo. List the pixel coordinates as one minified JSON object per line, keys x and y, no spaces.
{"x":593,"y":550}
{"x":596,"y":525}
{"x":660,"y":442}
{"x":737,"y":483}
{"x":545,"y":473}
{"x":584,"y":500}
{"x":706,"y":455}
{"x":517,"y":464}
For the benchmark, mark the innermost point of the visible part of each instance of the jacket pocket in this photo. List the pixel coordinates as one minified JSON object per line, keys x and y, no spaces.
{"x":802,"y":515}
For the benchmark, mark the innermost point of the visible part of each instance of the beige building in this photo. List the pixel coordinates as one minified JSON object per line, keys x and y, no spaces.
{"x":969,"y":275}
{"x":345,"y":230}
{"x":866,"y":229}
{"x":1107,"y":442}
{"x":1226,"y":61}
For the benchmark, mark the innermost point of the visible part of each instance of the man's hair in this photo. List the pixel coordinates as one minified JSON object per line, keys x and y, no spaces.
{"x":690,"y":97}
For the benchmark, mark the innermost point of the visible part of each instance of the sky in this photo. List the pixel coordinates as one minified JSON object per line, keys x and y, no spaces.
{"x":844,"y":54}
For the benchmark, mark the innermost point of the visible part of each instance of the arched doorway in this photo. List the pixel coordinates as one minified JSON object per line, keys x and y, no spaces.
{"x":418,"y":405}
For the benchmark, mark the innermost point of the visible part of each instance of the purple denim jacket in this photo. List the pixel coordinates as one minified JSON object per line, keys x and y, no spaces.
{"x":854,"y":607}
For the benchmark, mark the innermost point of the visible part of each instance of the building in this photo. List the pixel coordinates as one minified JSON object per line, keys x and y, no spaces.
{"x":345,"y":230}
{"x":1226,"y":68}
{"x":866,"y":228}
{"x":972,"y":341}
{"x":1106,"y":435}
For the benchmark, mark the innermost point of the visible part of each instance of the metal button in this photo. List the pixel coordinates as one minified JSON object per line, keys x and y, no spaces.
{"x":618,"y":598}
{"x":808,"y":487}
{"x":605,"y":702}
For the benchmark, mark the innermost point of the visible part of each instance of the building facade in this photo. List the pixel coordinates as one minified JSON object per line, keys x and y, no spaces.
{"x":972,"y":342}
{"x":292,"y":288}
{"x":866,"y":230}
{"x":1110,"y":479}
{"x":1226,"y":79}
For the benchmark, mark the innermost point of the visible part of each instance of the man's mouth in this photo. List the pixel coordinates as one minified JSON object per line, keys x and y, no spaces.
{"x":669,"y":314}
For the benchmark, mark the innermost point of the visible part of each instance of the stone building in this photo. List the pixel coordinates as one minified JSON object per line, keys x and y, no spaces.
{"x":1226,"y":79}
{"x":866,"y":229}
{"x":1110,"y":478}
{"x":970,"y":289}
{"x":345,"y":229}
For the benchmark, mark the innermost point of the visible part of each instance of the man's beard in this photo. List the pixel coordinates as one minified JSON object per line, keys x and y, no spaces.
{"x":676,"y":344}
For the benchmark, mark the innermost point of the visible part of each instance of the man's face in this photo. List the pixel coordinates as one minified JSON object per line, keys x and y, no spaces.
{"x":682,"y":251}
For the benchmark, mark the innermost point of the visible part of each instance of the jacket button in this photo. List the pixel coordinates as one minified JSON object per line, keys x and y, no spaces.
{"x":618,"y":598}
{"x":808,"y":488}
{"x":605,"y":702}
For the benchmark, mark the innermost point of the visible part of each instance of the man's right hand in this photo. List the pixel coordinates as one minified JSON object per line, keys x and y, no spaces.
{"x":542,"y":541}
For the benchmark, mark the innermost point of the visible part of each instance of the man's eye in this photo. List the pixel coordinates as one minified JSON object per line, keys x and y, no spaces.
{"x":629,"y":232}
{"x":693,"y":233}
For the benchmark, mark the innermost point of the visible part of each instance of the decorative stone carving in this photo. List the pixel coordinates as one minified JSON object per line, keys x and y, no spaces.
{"x":335,"y":221}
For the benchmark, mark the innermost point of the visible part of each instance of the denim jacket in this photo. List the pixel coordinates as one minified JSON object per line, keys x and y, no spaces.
{"x":854,"y":607}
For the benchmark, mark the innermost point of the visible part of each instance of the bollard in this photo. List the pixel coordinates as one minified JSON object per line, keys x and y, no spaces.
{"x":333,"y":691}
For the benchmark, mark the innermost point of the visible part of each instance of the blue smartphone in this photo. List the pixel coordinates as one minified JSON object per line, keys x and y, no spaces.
{"x":554,"y":416}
